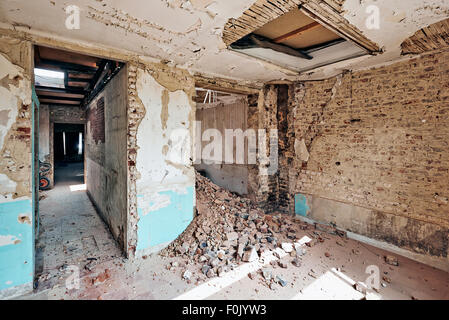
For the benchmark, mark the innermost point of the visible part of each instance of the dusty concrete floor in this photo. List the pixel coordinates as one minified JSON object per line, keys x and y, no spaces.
{"x":72,"y":233}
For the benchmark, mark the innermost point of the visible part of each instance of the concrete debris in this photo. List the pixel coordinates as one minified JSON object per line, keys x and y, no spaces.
{"x":205,"y":269}
{"x":232,"y":236}
{"x":229,"y":230}
{"x":222,"y":270}
{"x":281,"y":281}
{"x":287,"y":247}
{"x":101,"y":278}
{"x":279,"y":253}
{"x":392,"y":260}
{"x":211,"y":273}
{"x":361,"y":287}
{"x":266,"y":273}
{"x":341,"y":244}
{"x":296,"y":262}
{"x":187,"y":275}
{"x":250,"y":255}
{"x":283,"y":264}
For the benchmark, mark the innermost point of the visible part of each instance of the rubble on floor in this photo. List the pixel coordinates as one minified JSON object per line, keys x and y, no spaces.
{"x":229,"y":230}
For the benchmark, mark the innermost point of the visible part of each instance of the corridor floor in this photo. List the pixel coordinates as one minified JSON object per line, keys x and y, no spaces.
{"x":71,"y":232}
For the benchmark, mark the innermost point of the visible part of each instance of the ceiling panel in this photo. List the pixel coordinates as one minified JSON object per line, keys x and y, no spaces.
{"x":294,"y":20}
{"x":338,"y":52}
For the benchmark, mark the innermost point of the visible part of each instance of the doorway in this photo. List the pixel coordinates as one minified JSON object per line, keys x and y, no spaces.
{"x":82,"y":135}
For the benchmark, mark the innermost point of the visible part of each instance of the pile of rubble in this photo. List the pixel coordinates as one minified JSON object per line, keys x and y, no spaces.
{"x":229,"y":230}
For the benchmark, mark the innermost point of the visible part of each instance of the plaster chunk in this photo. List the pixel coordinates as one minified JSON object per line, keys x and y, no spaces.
{"x":301,"y":150}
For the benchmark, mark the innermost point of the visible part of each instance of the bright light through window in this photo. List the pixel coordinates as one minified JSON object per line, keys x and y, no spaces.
{"x":49,"y":73}
{"x":80,"y":143}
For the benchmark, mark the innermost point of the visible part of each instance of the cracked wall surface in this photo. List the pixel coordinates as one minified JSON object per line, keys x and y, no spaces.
{"x":16,"y":236}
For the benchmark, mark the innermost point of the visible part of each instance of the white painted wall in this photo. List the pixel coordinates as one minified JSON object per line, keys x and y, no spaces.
{"x":166,"y":186}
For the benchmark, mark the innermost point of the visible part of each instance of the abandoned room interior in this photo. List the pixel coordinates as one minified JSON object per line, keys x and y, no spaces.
{"x":239,"y":149}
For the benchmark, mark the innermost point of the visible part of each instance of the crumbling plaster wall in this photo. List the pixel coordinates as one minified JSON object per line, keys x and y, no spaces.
{"x":105,"y":160}
{"x":371,"y":153}
{"x":161,"y":176}
{"x":16,"y":228}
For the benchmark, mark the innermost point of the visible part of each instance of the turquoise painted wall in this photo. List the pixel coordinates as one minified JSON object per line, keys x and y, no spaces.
{"x":17,"y":258}
{"x":301,"y":207}
{"x":167,"y":223}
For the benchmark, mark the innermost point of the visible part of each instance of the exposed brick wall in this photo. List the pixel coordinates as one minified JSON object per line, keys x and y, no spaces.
{"x":64,"y":114}
{"x":95,"y":131}
{"x":282,"y":117}
{"x":253,"y":123}
{"x":96,"y":121}
{"x":268,"y":183}
{"x":379,"y":139}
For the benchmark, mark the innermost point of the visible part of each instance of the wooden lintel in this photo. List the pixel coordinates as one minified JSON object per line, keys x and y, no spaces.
{"x":225,"y":85}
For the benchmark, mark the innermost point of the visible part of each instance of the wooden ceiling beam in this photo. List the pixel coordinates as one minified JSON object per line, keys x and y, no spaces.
{"x":65,"y":66}
{"x":80,"y":80}
{"x":296,"y":32}
{"x":59,"y":94}
{"x":65,"y":90}
{"x":46,"y":97}
{"x":60,"y":102}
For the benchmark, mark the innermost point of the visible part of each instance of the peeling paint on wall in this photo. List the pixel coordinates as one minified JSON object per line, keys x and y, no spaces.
{"x":164,"y":186}
{"x":16,"y":230}
{"x":15,"y":97}
{"x":8,"y":240}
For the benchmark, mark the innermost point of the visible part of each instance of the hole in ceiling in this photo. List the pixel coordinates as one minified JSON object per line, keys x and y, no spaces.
{"x":297,"y":42}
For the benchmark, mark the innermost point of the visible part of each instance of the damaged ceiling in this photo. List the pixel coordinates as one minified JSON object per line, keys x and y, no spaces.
{"x":82,"y":76}
{"x":196,"y":38}
{"x":297,"y":42}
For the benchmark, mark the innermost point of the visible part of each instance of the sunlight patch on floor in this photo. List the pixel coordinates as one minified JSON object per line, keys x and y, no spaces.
{"x":332,"y":285}
{"x":77,"y":187}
